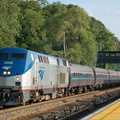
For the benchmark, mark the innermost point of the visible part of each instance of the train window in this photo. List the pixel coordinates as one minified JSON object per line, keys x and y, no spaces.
{"x":45,"y":59}
{"x":80,"y":74}
{"x":97,"y":76}
{"x":18,"y":56}
{"x":77,"y":74}
{"x":40,"y":58}
{"x":64,"y":63}
{"x":102,"y":76}
{"x":3,"y":55}
{"x":74,"y":74}
{"x":89,"y":75}
{"x":58,"y":62}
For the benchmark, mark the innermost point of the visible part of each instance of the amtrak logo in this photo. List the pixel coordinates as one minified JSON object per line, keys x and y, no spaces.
{"x":41,"y":72}
{"x":7,"y":67}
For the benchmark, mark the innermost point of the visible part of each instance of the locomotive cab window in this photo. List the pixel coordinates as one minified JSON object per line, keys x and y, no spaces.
{"x":3,"y":55}
{"x":18,"y":56}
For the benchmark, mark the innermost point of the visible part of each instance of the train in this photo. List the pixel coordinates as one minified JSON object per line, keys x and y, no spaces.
{"x":28,"y":76}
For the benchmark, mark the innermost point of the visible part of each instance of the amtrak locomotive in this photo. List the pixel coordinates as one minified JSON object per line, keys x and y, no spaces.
{"x":27,"y":76}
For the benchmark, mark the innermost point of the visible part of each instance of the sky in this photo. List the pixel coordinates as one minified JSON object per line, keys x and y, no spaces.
{"x":106,"y":11}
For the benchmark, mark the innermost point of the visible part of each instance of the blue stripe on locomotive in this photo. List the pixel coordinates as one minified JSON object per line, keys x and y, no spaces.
{"x":16,"y":66}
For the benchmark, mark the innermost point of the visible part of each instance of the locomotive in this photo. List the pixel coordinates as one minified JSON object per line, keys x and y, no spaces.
{"x":28,"y":76}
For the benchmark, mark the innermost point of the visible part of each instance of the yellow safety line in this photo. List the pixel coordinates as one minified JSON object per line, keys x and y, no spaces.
{"x":106,"y":114}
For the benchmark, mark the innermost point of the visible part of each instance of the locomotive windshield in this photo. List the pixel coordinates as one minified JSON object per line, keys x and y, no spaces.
{"x":18,"y":56}
{"x":3,"y":55}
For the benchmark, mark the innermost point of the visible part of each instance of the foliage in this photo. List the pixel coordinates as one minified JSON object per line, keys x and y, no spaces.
{"x":9,"y":23}
{"x":78,"y":39}
{"x":31,"y":20}
{"x":56,"y":29}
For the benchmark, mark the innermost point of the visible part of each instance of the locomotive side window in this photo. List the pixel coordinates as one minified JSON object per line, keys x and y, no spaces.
{"x":45,"y":59}
{"x":18,"y":56}
{"x":3,"y":55}
{"x":64,"y":63}
{"x":40,"y":58}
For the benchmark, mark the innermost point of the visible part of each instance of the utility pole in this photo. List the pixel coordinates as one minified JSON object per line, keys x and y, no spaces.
{"x":64,"y":45}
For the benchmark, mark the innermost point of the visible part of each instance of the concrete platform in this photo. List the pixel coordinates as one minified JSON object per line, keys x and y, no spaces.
{"x":109,"y":112}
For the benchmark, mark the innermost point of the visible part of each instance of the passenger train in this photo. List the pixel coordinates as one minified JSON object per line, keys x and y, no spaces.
{"x":28,"y":76}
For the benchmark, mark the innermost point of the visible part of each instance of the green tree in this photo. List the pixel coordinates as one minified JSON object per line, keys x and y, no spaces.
{"x":106,"y":42}
{"x":104,"y":38}
{"x":32,"y":34}
{"x":71,"y":27}
{"x":55,"y":8}
{"x":9,"y":23}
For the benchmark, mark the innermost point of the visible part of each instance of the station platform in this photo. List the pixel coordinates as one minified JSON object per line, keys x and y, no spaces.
{"x":109,"y":112}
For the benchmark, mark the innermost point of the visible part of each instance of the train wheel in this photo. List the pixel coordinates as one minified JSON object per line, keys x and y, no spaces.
{"x":85,"y":90}
{"x":66,"y":93}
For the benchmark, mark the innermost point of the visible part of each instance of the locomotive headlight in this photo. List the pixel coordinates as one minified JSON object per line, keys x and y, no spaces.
{"x":4,"y":72}
{"x":8,"y":72}
{"x":17,"y":78}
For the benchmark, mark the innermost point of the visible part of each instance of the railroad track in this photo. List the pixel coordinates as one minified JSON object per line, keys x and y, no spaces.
{"x":65,"y":105}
